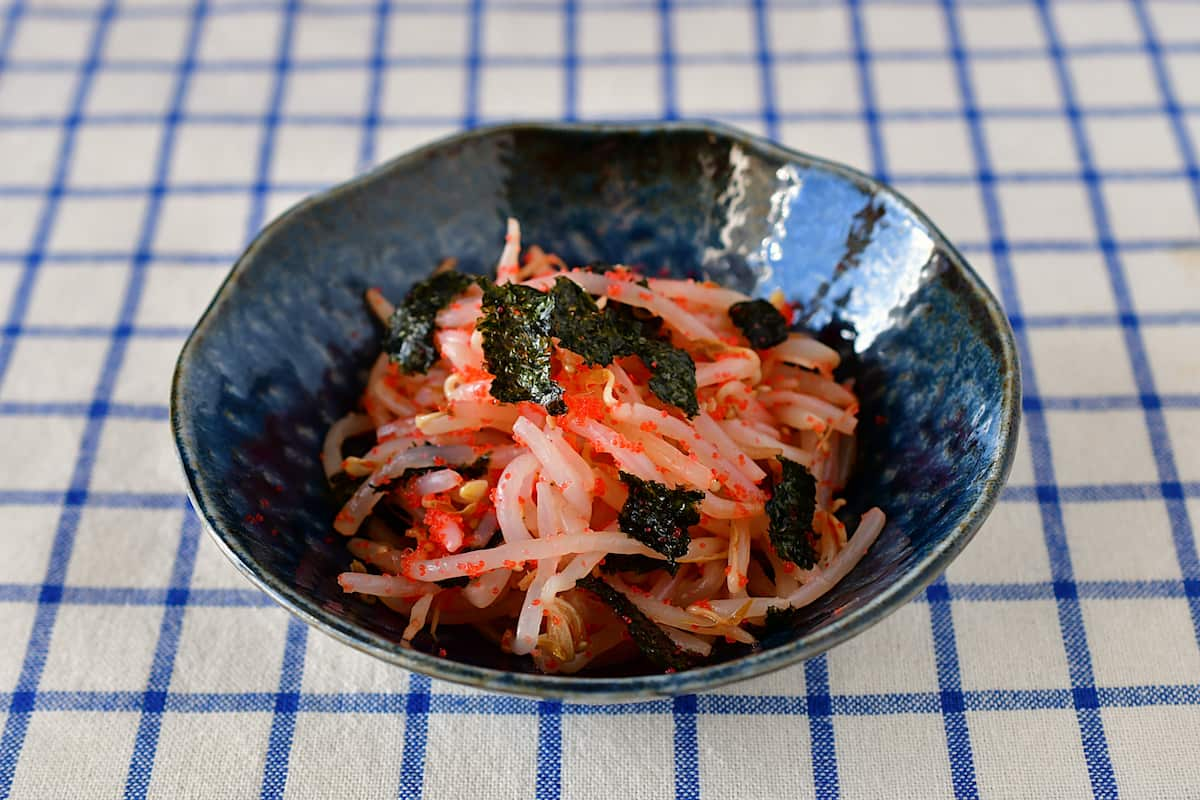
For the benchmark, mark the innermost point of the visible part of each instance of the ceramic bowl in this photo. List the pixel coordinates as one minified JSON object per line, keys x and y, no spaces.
{"x":284,"y":347}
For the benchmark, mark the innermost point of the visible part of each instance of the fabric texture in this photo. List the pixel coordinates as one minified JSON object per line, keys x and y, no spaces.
{"x":143,"y":142}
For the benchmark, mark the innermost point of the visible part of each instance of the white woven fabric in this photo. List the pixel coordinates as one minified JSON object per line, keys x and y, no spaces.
{"x":144,"y":141}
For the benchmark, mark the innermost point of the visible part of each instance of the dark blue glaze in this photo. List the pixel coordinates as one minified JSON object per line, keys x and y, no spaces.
{"x":283,"y":351}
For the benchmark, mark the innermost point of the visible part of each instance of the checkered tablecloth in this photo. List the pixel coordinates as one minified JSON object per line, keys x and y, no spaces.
{"x":142,"y":142}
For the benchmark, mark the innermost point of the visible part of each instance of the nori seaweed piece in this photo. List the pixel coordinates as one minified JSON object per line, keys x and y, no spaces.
{"x":409,"y":338}
{"x":672,"y":374}
{"x":790,"y":510}
{"x":652,"y":640}
{"x":659,"y":516}
{"x":581,"y":327}
{"x":635,"y":562}
{"x":760,"y":322}
{"x":516,"y":345}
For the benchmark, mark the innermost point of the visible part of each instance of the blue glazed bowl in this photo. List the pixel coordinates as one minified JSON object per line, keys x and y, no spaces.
{"x":284,"y":348}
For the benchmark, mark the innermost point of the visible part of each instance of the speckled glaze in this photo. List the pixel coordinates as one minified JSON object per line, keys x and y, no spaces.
{"x":284,"y":347}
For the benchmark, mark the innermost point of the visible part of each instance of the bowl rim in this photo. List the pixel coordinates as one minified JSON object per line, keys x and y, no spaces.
{"x":607,"y":689}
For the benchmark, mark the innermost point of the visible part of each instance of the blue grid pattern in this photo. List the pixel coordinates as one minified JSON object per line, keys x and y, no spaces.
{"x":1060,"y":656}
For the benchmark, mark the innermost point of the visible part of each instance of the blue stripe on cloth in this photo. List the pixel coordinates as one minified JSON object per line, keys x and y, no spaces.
{"x":1095,"y":743}
{"x":109,"y":191}
{"x":208,"y":598}
{"x":19,"y":592}
{"x":20,"y":707}
{"x":1076,"y":246}
{"x":549,"y":750}
{"x":287,"y":702}
{"x":1041,"y":176}
{"x":866,"y":87}
{"x":666,"y":59}
{"x":570,"y":60}
{"x":1045,"y":590}
{"x":470,"y":116}
{"x":749,"y":704}
{"x":219,"y":703}
{"x":537,"y":60}
{"x":301,"y":119}
{"x":954,"y":719}
{"x":8,"y":30}
{"x":819,"y":706}
{"x":371,"y":120}
{"x":482,"y":704}
{"x":1152,"y":47}
{"x":357,"y":703}
{"x":99,"y":331}
{"x":125,"y":702}
{"x":74,"y":497}
{"x":1099,"y":493}
{"x":244,"y":7}
{"x":116,"y":411}
{"x":1183,"y":695}
{"x":1112,"y":403}
{"x":416,"y":736}
{"x":872,"y":705}
{"x":68,"y":257}
{"x":1182,"y":535}
{"x":687,"y":748}
{"x":1146,"y":319}
{"x":271,"y":120}
{"x":766,"y":69}
{"x":376,"y":65}
{"x":1144,"y":696}
{"x":141,"y":764}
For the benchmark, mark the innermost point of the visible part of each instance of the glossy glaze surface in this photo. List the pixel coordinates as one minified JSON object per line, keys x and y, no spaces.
{"x":283,"y":351}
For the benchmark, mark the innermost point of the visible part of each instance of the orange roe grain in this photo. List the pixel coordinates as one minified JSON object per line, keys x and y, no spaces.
{"x":582,"y":407}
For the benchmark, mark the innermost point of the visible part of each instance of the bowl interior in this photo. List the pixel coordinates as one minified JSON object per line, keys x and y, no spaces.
{"x":284,"y":349}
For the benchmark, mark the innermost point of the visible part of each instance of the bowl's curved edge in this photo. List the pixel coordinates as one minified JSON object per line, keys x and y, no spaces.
{"x":643,"y":687}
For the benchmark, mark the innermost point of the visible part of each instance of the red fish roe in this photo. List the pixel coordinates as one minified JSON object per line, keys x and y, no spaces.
{"x":582,"y":407}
